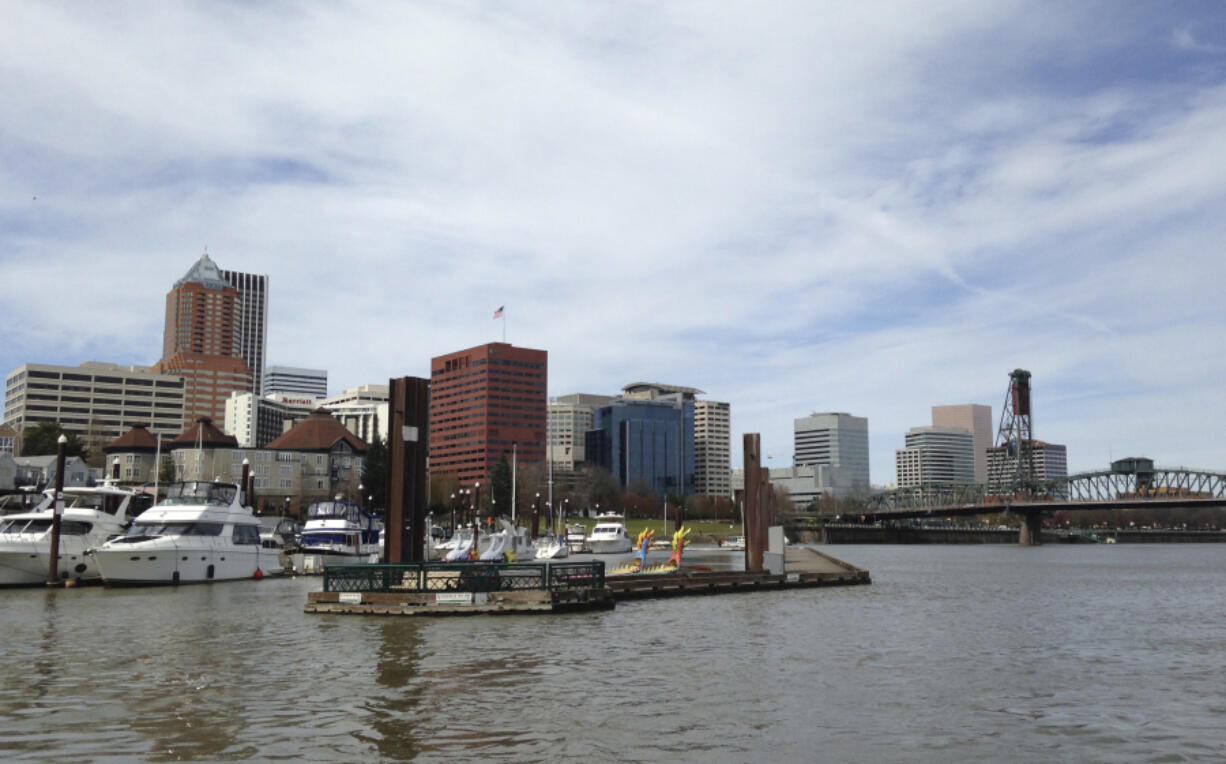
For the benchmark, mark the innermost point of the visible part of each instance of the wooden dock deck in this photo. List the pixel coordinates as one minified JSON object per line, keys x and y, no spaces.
{"x":804,"y":568}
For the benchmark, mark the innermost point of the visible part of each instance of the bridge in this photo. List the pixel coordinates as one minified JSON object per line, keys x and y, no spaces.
{"x":1129,"y":484}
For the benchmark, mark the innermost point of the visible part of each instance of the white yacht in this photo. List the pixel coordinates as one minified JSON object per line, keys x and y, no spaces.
{"x":552,"y":548}
{"x":91,"y":516}
{"x":510,"y":544}
{"x":337,"y":532}
{"x":199,"y":532}
{"x":576,"y":537}
{"x":609,"y":536}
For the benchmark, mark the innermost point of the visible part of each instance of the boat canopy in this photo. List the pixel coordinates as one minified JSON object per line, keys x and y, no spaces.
{"x":339,"y":510}
{"x":221,"y":494}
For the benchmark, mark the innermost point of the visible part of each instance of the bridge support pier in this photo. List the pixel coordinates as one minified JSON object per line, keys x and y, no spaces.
{"x":1032,"y":529}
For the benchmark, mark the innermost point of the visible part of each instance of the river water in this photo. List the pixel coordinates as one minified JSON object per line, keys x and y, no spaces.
{"x":1059,"y":653}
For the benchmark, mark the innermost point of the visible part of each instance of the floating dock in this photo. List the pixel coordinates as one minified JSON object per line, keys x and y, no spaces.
{"x":436,"y":589}
{"x":441,"y":589}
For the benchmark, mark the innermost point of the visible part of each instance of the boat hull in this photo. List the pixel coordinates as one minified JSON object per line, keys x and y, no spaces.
{"x":140,"y":565}
{"x":611,"y":546}
{"x":28,"y":564}
{"x":313,"y":563}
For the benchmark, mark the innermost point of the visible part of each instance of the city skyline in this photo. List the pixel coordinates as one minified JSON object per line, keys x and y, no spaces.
{"x":962,"y":190}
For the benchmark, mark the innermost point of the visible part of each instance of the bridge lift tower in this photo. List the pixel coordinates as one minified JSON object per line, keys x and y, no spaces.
{"x":1015,"y":476}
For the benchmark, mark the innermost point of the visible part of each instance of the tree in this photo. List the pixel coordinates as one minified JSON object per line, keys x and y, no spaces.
{"x":42,"y":439}
{"x":375,"y":472}
{"x":500,"y":485}
{"x":166,"y":470}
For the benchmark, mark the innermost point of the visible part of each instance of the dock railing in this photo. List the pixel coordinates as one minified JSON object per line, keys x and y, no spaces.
{"x":464,"y":577}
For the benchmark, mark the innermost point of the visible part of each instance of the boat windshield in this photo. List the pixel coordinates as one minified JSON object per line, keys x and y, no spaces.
{"x":221,"y":494}
{"x":146,"y":530}
{"x":341,"y":510}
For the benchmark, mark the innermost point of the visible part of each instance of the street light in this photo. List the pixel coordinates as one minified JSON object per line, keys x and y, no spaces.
{"x":361,"y":492}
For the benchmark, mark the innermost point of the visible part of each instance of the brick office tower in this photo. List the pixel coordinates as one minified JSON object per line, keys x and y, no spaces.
{"x":201,"y":342}
{"x":481,"y":401}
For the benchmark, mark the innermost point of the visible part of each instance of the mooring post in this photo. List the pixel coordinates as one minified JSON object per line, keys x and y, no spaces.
{"x":408,"y":444}
{"x":57,"y":511}
{"x":752,"y":448}
{"x":1032,"y":529}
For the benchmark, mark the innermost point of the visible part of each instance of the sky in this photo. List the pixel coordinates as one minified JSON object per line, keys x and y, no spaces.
{"x":868,"y":207}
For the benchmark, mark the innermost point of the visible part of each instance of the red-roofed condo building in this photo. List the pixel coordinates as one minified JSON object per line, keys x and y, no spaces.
{"x":482,"y":400}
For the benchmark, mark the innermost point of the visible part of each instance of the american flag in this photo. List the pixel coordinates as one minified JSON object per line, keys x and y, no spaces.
{"x":498,"y":313}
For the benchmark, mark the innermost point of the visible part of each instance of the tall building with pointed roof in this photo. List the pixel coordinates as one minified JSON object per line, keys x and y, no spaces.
{"x":202,"y":341}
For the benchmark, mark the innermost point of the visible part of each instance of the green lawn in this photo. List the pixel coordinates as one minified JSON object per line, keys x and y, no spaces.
{"x":701,"y":530}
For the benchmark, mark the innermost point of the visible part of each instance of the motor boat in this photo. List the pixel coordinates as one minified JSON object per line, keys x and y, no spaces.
{"x":551,"y":548}
{"x":200,"y":532}
{"x":90,"y":517}
{"x":509,"y":544}
{"x":733,"y":543}
{"x":337,"y":532}
{"x":609,"y":536}
{"x":576,"y":537}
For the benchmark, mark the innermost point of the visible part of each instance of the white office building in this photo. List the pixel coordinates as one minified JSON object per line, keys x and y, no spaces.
{"x":257,"y":420}
{"x":975,"y":418}
{"x":838,"y":441}
{"x":363,"y":410}
{"x":936,"y":456}
{"x":712,"y":449}
{"x":567,"y":421}
{"x":292,"y":380}
{"x":97,"y":401}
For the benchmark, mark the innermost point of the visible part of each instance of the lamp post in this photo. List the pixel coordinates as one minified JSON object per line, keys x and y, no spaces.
{"x":286,"y":513}
{"x":453,"y":513}
{"x":53,"y":576}
{"x":536,"y":513}
{"x":361,"y":495}
{"x":477,"y":502}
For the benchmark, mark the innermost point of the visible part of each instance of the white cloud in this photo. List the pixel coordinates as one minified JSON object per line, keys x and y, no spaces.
{"x":796,"y":207}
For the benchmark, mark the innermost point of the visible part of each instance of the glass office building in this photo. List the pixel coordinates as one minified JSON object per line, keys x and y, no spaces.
{"x":646,"y":442}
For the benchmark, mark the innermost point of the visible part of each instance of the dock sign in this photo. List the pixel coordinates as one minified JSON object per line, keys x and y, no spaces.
{"x":349,"y":598}
{"x":454,"y":598}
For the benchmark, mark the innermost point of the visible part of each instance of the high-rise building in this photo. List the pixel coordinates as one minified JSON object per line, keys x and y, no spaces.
{"x":290,"y":379}
{"x":976,"y":419}
{"x":202,"y":344}
{"x":252,"y":326}
{"x":1050,"y":462}
{"x":97,"y":401}
{"x":646,"y":441}
{"x":936,"y":456}
{"x":482,"y":401}
{"x":569,"y":419}
{"x":838,"y":441}
{"x":712,"y":449}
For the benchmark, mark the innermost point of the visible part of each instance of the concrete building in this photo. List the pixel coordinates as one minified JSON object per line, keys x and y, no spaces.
{"x":258,"y":420}
{"x":202,"y":341}
{"x":646,"y":441}
{"x":252,"y":322}
{"x":362,"y":410}
{"x":712,"y":448}
{"x":96,"y":401}
{"x":936,"y":456}
{"x":838,"y":441}
{"x":1050,"y":462}
{"x":569,"y":417}
{"x":976,"y":419}
{"x":8,"y":472}
{"x":483,"y":400}
{"x":291,"y":380}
